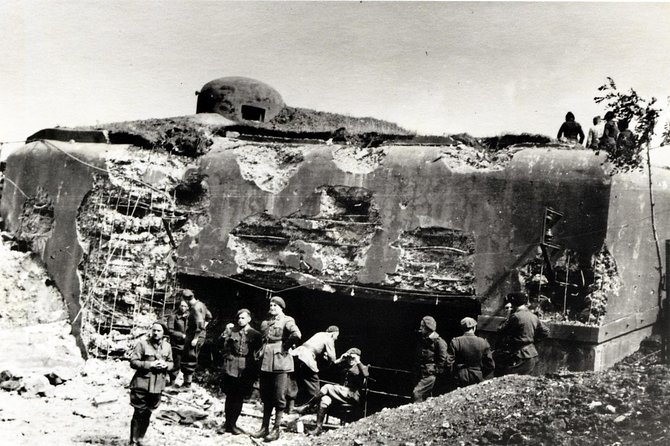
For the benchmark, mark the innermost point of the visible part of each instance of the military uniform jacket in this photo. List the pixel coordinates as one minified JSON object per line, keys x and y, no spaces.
{"x":431,"y":355}
{"x":198,"y":317}
{"x":354,"y":378}
{"x":176,"y":324}
{"x":144,"y":353}
{"x":279,"y":334}
{"x":239,"y":348}
{"x":522,"y":329}
{"x":469,"y":358}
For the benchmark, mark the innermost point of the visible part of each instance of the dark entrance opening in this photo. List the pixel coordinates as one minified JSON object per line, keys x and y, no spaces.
{"x":251,"y":113}
{"x":385,"y":330}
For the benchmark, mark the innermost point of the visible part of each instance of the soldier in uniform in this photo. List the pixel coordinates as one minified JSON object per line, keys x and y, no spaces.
{"x":336,"y":394}
{"x":321,"y":346}
{"x":176,"y":326}
{"x":522,"y":329}
{"x":151,"y":359}
{"x":431,"y":357}
{"x":240,"y":343}
{"x":198,"y":318}
{"x":469,"y":356}
{"x":280,"y":333}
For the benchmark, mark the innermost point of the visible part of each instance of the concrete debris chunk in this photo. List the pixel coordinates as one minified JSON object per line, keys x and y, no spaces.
{"x":594,"y":405}
{"x":104,"y":398}
{"x":7,"y":375}
{"x":11,"y":385}
{"x":36,"y":386}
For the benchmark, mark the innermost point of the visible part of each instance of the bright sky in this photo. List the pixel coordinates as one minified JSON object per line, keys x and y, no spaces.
{"x":481,"y":68}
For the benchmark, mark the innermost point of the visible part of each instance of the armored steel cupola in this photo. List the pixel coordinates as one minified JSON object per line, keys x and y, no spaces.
{"x":240,"y":99}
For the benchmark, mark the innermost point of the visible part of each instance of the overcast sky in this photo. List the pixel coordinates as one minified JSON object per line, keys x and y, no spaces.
{"x":481,"y":68}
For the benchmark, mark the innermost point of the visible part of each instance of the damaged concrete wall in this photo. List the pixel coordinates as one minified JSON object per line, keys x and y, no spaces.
{"x":36,"y":172}
{"x":437,"y":220}
{"x":410,"y":220}
{"x":106,"y":220}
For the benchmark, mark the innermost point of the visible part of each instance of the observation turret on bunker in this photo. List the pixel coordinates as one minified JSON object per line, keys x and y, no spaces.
{"x":240,"y":99}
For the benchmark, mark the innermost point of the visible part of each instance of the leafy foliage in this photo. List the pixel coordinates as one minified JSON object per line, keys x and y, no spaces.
{"x":632,"y":108}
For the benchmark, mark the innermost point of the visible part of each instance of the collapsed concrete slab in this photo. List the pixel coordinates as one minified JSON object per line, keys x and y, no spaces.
{"x":370,"y":238}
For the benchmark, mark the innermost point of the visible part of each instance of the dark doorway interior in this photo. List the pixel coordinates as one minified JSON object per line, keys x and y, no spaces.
{"x":251,"y":113}
{"x":385,"y":331}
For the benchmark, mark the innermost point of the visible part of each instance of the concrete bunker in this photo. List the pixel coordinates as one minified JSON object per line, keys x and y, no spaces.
{"x":378,"y":229}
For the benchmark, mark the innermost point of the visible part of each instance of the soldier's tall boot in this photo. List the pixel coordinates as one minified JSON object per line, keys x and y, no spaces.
{"x":309,"y":406}
{"x":134,"y":427}
{"x":320,"y":416}
{"x":265,"y":427}
{"x":188,"y":379}
{"x":143,"y":426}
{"x":274,"y":434}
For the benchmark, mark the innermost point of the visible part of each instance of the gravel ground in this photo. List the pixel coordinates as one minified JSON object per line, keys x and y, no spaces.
{"x":626,"y":405}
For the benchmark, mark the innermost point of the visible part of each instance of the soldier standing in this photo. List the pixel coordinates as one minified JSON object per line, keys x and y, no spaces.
{"x":240,"y":343}
{"x":469,"y":356}
{"x":198,"y":318}
{"x":280,"y":333}
{"x":176,"y":326}
{"x":522,"y":329}
{"x":319,"y":346}
{"x":151,"y":359}
{"x":431,"y":357}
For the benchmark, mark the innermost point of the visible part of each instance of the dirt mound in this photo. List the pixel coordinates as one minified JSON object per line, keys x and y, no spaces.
{"x":27,"y":294}
{"x":628,"y":404}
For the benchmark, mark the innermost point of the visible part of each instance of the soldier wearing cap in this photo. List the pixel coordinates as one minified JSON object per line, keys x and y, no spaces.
{"x":240,"y":343}
{"x":279,"y":333}
{"x":320,"y":347}
{"x":469,"y":356}
{"x":521,"y":329}
{"x":355,"y":374}
{"x":176,"y":325}
{"x":431,"y":357}
{"x":151,"y":359}
{"x":198,"y":318}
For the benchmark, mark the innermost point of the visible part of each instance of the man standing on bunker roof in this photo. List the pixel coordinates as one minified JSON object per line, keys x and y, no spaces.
{"x":280,"y":333}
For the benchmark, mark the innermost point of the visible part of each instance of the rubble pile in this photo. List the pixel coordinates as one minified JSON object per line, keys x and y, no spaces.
{"x":92,"y":406}
{"x":27,"y":294}
{"x":38,"y":349}
{"x":628,"y":404}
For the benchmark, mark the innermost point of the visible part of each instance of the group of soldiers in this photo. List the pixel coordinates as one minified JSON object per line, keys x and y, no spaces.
{"x":468,"y":359}
{"x":288,"y":370}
